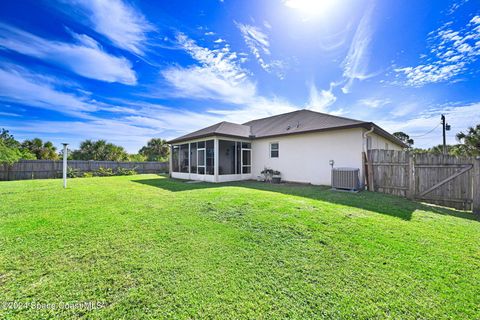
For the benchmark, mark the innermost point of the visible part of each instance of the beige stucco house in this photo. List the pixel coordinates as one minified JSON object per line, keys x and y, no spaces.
{"x":299,"y":144}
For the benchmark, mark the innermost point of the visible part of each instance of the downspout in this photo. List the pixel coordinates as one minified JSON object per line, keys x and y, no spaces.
{"x":365,"y":150}
{"x":365,"y":135}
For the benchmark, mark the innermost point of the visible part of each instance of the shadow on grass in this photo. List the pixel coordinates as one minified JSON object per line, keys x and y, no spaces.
{"x":371,"y":201}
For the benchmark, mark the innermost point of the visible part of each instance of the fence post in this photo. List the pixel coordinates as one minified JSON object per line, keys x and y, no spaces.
{"x":371,"y":182}
{"x":411,"y":176}
{"x":476,"y":186}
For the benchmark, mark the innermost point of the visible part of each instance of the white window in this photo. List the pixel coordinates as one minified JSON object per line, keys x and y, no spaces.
{"x":386,"y":146}
{"x":274,"y":150}
{"x":369,"y":143}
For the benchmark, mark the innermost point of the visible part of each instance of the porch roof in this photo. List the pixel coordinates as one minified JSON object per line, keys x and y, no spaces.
{"x":223,"y":128}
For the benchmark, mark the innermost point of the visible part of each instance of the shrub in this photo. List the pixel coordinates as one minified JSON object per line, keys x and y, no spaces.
{"x":88,"y":174}
{"x":125,"y":172}
{"x":73,"y":173}
{"x":104,"y":172}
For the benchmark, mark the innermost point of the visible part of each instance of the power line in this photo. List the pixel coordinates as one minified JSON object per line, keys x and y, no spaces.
{"x":427,"y":132}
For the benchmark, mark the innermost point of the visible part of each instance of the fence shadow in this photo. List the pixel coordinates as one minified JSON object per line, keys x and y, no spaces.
{"x":371,"y":201}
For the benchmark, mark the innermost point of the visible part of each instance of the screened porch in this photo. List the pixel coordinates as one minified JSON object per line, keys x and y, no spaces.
{"x":214,"y":160}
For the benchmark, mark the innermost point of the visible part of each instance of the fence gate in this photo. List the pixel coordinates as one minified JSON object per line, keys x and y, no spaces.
{"x":439,"y":179}
{"x":444,"y":180}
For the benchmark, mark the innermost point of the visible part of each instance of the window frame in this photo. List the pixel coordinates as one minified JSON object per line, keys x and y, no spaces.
{"x":278,"y":149}
{"x":243,"y":166}
{"x":204,"y":166}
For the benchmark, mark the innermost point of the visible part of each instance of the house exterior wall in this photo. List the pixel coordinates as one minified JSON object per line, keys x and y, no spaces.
{"x":379,"y":142}
{"x":302,"y":157}
{"x":305,"y":157}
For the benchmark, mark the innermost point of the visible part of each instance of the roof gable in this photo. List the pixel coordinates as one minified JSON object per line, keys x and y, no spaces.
{"x":296,"y":122}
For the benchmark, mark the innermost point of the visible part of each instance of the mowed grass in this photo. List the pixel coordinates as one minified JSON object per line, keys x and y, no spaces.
{"x":147,"y":246}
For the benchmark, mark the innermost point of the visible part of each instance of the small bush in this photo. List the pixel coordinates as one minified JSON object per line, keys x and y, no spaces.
{"x":104,"y":172}
{"x":125,"y":172}
{"x":73,"y":173}
{"x":88,"y":174}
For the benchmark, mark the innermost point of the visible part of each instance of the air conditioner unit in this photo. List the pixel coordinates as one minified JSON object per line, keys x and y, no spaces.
{"x":346,"y":178}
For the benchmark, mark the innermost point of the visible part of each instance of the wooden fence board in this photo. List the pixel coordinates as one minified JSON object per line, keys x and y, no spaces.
{"x":49,"y":169}
{"x":439,"y":179}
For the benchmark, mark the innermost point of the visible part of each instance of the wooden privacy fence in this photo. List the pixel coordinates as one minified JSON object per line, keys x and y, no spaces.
{"x":48,"y":169}
{"x":439,"y":179}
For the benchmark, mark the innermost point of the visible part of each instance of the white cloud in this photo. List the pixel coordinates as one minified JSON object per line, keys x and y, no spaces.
{"x":219,"y":40}
{"x":118,"y":21}
{"x":9,"y":114}
{"x":209,"y":33}
{"x":475,"y":20}
{"x":320,"y":100}
{"x":259,"y":44}
{"x":256,"y":40}
{"x":85,"y":58}
{"x":218,"y":76}
{"x":206,"y":83}
{"x":374,"y":103}
{"x":260,"y":107}
{"x":453,"y":52}
{"x":21,"y":86}
{"x":355,"y":65}
{"x":456,"y":5}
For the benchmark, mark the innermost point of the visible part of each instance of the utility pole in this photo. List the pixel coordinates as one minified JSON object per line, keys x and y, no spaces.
{"x":446,"y":127}
{"x":444,"y":138}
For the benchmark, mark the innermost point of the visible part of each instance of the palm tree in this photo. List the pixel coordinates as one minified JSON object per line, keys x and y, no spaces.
{"x":41,"y":150}
{"x":99,"y":150}
{"x":471,"y":140}
{"x":156,"y":150}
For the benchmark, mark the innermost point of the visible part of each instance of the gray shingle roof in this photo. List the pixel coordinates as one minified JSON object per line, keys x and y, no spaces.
{"x":296,"y":122}
{"x":300,"y":121}
{"x":222,"y":128}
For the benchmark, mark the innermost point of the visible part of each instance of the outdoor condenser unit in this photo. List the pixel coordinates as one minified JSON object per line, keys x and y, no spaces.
{"x":346,"y":178}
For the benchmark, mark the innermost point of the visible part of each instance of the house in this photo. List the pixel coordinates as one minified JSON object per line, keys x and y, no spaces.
{"x":299,"y":144}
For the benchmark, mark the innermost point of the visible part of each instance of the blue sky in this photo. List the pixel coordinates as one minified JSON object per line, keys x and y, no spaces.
{"x":127,"y":71}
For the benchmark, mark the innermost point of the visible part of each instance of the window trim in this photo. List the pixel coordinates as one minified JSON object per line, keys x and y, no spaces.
{"x":241,"y":158}
{"x":278,"y":149}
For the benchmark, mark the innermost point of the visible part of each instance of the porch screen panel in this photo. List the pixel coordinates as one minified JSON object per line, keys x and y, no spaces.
{"x":184,"y":158}
{"x":201,"y":161}
{"x":226,"y":157}
{"x":210,"y":158}
{"x":239,"y":158}
{"x":193,"y":157}
{"x":175,"y":159}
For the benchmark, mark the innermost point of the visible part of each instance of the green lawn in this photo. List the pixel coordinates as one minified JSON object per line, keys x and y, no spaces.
{"x":149,"y":247}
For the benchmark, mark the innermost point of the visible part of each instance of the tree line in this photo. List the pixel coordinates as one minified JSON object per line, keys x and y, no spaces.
{"x":12,"y":150}
{"x":468,"y":143}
